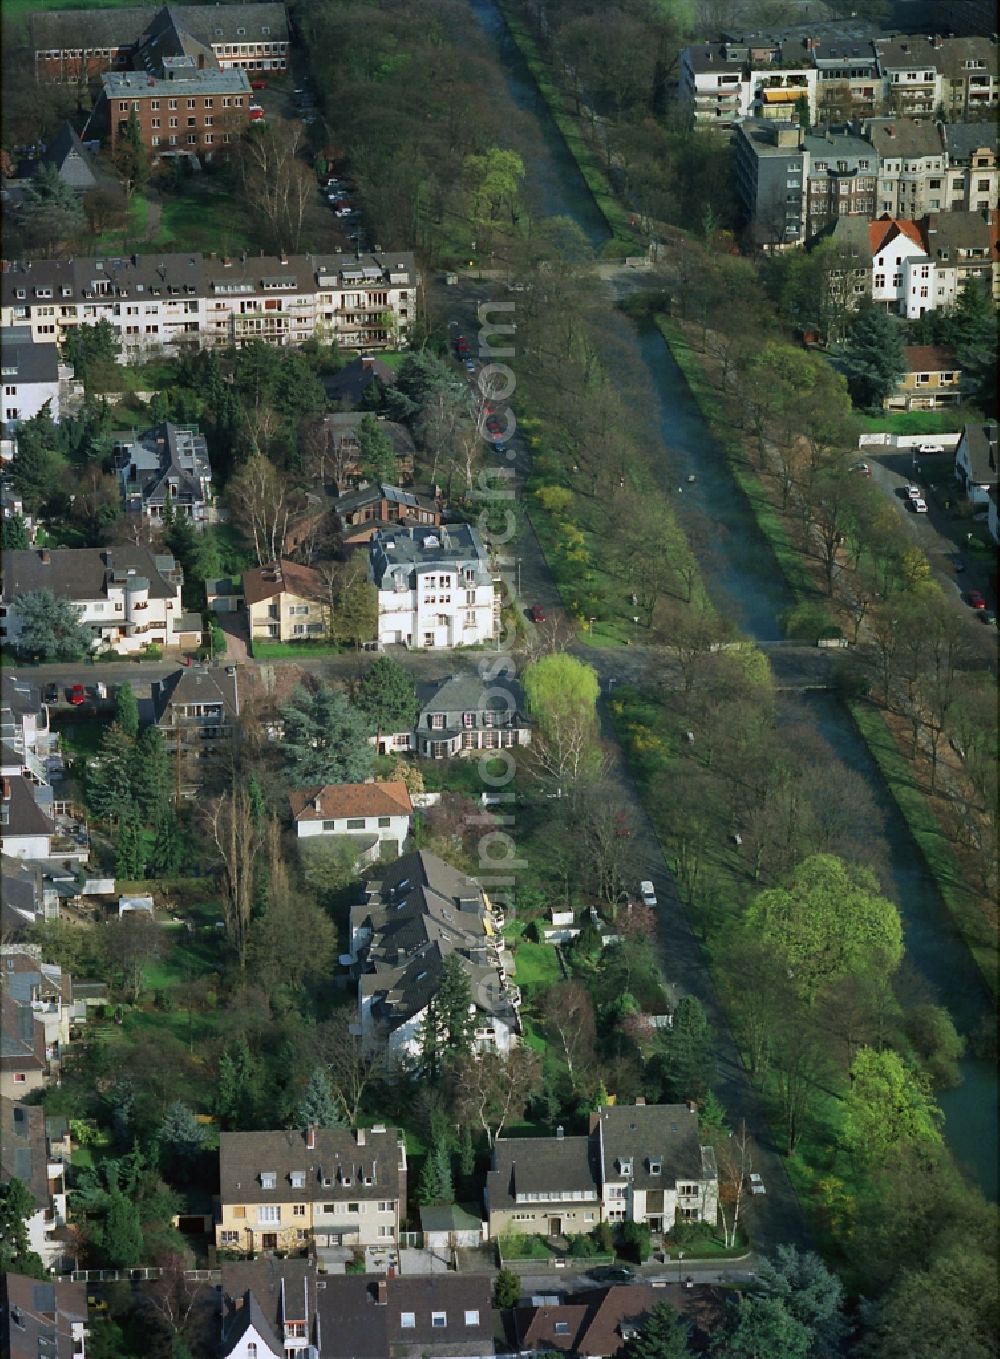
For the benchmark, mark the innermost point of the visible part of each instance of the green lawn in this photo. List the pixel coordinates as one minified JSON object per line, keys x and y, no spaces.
{"x":535,"y":966}
{"x":915,"y":422}
{"x":134,"y":234}
{"x":19,"y":9}
{"x":292,"y":651}
{"x":202,"y":219}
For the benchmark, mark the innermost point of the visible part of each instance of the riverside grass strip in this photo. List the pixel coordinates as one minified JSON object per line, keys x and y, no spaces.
{"x":933,"y":844}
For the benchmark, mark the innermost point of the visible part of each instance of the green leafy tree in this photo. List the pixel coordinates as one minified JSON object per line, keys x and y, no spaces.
{"x":944,"y":1311}
{"x":936,"y":1041}
{"x":447,"y":1029}
{"x":466,"y":1154}
{"x":887,"y":1106}
{"x":326,"y":738}
{"x":180,"y":1136}
{"x":686,"y":1060}
{"x":494,"y":185}
{"x":239,"y":1088}
{"x":110,"y":776}
{"x":130,"y":849}
{"x":319,"y":1106}
{"x":13,"y":534}
{"x":151,"y":774}
{"x":759,"y":1327}
{"x":127,"y":710}
{"x":809,"y":1292}
{"x":93,"y":351}
{"x":169,"y":845}
{"x":562,"y":697}
{"x":376,"y":457}
{"x":872,"y":357}
{"x":121,"y":1231}
{"x":130,"y":159}
{"x":329,"y":863}
{"x":38,"y":466}
{"x":636,"y":1237}
{"x":51,"y":212}
{"x":17,"y":1204}
{"x":664,"y":1335}
{"x":506,"y":1290}
{"x":829,"y":922}
{"x":388,"y":696}
{"x":51,"y":628}
{"x":436,"y":1184}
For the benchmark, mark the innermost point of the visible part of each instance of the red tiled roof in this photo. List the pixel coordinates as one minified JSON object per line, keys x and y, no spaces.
{"x":339,"y":800}
{"x":880,"y":233}
{"x":282,"y":577}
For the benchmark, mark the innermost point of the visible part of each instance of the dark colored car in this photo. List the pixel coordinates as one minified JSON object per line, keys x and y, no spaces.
{"x":617,"y":1274}
{"x":76,"y":694}
{"x":536,"y":613}
{"x":976,"y":599}
{"x":51,"y":694}
{"x":258,"y":84}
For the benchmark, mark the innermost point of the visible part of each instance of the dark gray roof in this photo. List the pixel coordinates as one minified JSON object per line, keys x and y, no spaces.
{"x":22,"y":814}
{"x":185,"y":80}
{"x":394,"y":495}
{"x":37,"y":1319}
{"x":351,"y":383}
{"x":22,"y":1036}
{"x":167,"y":453}
{"x":981,"y":444}
{"x":954,"y":231}
{"x":361,"y":1318}
{"x":78,"y":573}
{"x":71,"y":158}
{"x":23,"y":1148}
{"x":124,"y":27}
{"x":414,"y":548}
{"x":195,"y":684}
{"x":337,"y":1156}
{"x":18,"y":695}
{"x":667,"y":1133}
{"x":469,"y":692}
{"x":964,"y":139}
{"x":893,"y":137}
{"x":32,"y":362}
{"x":272,"y":1281}
{"x":450,"y":1217}
{"x":250,"y":1315}
{"x":537,"y":1165}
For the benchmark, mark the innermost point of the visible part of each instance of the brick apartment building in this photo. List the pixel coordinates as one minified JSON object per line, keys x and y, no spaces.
{"x":70,"y":44}
{"x":193,"y":109}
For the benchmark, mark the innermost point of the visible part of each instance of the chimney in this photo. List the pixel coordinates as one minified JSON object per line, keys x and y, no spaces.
{"x":937,"y":41}
{"x":381,"y":1293}
{"x":367,"y":362}
{"x":560,"y":1133}
{"x":45,"y":556}
{"x":284,"y":257}
{"x":311,"y":1137}
{"x":640,"y":1101}
{"x":6,"y":790}
{"x":890,"y":131}
{"x":361,"y":1137}
{"x":201,"y":61}
{"x":317,"y":803}
{"x":692,"y":1106}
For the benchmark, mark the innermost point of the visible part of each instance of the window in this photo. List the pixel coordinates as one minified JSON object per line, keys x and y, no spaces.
{"x":298,"y":1179}
{"x":385,"y":1206}
{"x":407,"y":1321}
{"x":298,"y":1210}
{"x":561,"y":1328}
{"x":154,"y":104}
{"x":354,"y":1207}
{"x":268,"y":1179}
{"x":269,"y":1212}
{"x":439,"y":1320}
{"x":229,"y":1238}
{"x":655,"y":1168}
{"x":19,"y":1076}
{"x":171,"y":103}
{"x":472,"y":1318}
{"x":384,"y":822}
{"x":355,"y":823}
{"x":437,"y":721}
{"x":252,"y":1349}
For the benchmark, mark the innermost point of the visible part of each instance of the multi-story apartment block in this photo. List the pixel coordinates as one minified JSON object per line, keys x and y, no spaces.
{"x":129,"y":596}
{"x":170,"y":303}
{"x":435,"y":587}
{"x":912,"y":160}
{"x":70,"y":45}
{"x":971,"y":151}
{"x":31,"y":378}
{"x":167,"y":466}
{"x":197,"y":708}
{"x":841,"y":178}
{"x":186,"y":109}
{"x":419,"y":912}
{"x":770,"y":162}
{"x":638,"y":1163}
{"x":281,"y":1191}
{"x":843,"y":69}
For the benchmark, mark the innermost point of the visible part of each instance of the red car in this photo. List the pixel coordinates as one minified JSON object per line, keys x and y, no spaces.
{"x":977,"y":600}
{"x":258,"y":84}
{"x":256,"y":113}
{"x":76,"y":694}
{"x":536,"y":613}
{"x":462,"y":345}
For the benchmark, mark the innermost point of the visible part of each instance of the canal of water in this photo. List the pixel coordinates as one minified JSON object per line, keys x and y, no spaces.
{"x":747,"y":584}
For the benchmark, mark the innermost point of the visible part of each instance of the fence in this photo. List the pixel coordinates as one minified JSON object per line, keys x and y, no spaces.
{"x":949,"y":442}
{"x":139,"y":1274}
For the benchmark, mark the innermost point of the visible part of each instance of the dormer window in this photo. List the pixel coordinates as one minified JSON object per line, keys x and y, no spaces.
{"x":298,"y":1179}
{"x":655,"y":1167}
{"x":268,"y":1179}
{"x":625,"y":1165}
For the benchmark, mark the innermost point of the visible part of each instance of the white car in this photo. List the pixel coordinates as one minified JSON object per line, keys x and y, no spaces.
{"x":930,"y":448}
{"x":914,"y":493}
{"x":757,"y":1185}
{"x":918,"y":506}
{"x":343,"y":212}
{"x":648,"y":893}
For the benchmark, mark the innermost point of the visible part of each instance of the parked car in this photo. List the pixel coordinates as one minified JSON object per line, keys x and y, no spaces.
{"x":462,"y":345}
{"x":918,"y":505}
{"x":343,"y":212}
{"x":757,"y":1185}
{"x":51,"y":693}
{"x":976,"y":599}
{"x":258,"y":84}
{"x":930,"y":448}
{"x":913,"y":493}
{"x":617,"y":1274}
{"x":987,"y":616}
{"x":470,"y":365}
{"x":256,"y":113}
{"x":648,"y":893}
{"x":76,"y":694}
{"x":536,"y":613}
{"x":862,"y":468}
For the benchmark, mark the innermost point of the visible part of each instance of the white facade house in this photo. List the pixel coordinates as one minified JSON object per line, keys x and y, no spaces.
{"x":173,"y":303}
{"x":376,"y":814}
{"x":435,"y":587}
{"x":904,"y":276}
{"x":31,"y":378}
{"x":128,"y":596}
